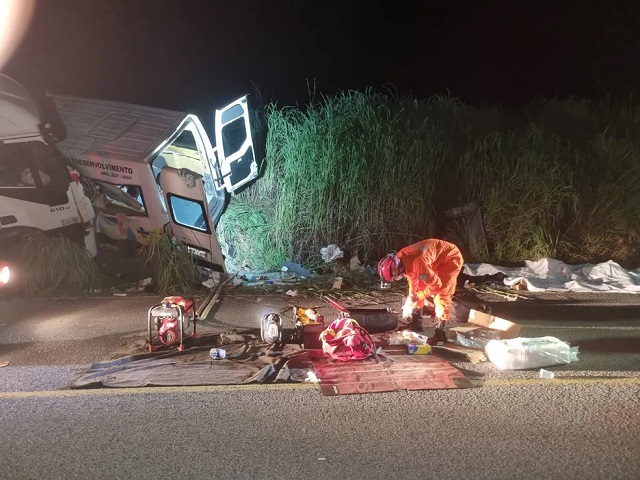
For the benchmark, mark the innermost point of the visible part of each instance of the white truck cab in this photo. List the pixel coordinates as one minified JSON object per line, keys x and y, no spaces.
{"x":148,"y":169}
{"x":38,"y":191}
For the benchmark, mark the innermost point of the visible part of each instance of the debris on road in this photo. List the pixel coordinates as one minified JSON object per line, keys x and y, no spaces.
{"x":528,"y":353}
{"x":481,"y":328}
{"x":312,"y":378}
{"x":546,"y":374}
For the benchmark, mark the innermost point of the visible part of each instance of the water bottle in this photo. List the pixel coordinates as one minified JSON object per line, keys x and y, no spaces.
{"x":217,"y":353}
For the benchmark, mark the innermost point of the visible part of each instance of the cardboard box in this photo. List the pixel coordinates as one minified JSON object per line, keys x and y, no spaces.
{"x":459,"y":353}
{"x":484,"y":326}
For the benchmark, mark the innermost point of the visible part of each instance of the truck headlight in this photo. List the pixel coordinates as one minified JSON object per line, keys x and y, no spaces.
{"x":5,"y":273}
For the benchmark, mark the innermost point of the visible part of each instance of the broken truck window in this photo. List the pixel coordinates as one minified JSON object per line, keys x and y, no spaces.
{"x":115,"y":199}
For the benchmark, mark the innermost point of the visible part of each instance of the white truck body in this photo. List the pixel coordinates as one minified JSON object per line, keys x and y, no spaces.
{"x":38,"y":191}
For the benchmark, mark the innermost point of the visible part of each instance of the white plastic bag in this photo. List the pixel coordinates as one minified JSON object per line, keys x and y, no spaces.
{"x":524,"y":353}
{"x":331,"y":253}
{"x":404,"y":337}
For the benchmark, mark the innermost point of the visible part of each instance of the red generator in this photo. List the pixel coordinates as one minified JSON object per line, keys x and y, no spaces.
{"x":173,"y":319}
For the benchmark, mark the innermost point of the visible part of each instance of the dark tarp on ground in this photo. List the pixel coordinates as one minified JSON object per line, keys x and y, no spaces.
{"x":249,"y":360}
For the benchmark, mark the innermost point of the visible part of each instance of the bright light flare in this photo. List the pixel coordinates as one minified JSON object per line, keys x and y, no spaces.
{"x":407,"y":308}
{"x":14,"y":20}
{"x":5,"y":273}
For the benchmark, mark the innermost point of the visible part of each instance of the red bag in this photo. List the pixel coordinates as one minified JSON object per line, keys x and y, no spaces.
{"x":346,"y":340}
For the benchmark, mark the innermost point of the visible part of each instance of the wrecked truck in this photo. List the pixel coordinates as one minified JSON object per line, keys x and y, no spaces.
{"x":39,"y":192}
{"x":150,"y":169}
{"x":124,"y":171}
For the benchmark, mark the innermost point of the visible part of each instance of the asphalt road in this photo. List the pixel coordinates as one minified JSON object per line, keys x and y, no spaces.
{"x":582,"y":424}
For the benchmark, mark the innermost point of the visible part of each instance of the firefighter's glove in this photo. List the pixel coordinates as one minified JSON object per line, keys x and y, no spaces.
{"x":407,"y":308}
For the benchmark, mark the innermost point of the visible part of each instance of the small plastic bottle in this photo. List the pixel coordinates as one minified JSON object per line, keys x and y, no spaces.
{"x":217,"y":353}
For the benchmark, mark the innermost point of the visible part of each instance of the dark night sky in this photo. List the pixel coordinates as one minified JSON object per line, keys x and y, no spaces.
{"x":195,"y":54}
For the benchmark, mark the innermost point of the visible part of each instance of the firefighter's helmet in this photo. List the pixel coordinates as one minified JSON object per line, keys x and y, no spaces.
{"x":389,"y":268}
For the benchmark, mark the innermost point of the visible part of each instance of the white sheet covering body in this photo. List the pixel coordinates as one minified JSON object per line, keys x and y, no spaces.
{"x":548,"y":274}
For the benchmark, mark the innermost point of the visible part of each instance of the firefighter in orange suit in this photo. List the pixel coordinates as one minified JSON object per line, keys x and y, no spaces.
{"x":431,"y":267}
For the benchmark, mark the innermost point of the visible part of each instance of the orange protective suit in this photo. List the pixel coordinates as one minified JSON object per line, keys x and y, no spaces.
{"x":432,"y":267}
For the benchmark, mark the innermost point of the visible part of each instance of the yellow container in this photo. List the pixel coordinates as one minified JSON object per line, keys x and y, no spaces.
{"x":418,"y":349}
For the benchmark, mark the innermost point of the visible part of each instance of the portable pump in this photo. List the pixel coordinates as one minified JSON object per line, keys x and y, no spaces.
{"x":172,"y":320}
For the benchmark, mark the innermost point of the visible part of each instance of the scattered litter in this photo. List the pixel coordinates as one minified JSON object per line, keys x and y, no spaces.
{"x":380,"y":353}
{"x":209,"y":283}
{"x":119,"y":294}
{"x":322,"y":458}
{"x":331,"y":253}
{"x":355,"y":264}
{"x":312,"y":378}
{"x":525,"y":353}
{"x":405,"y":337}
{"x":481,"y":329}
{"x":229,"y":337}
{"x":297,"y":269}
{"x":510,"y":297}
{"x":218,"y":353}
{"x":413,"y":349}
{"x":546,"y":374}
{"x":146,"y":282}
{"x":337,"y":283}
{"x":459,"y":353}
{"x":292,"y":293}
{"x":4,"y":364}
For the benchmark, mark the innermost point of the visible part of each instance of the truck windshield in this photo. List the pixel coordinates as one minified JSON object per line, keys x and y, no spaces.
{"x":32,"y":164}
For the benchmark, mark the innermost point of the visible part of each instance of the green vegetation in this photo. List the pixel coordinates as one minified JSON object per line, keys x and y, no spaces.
{"x":171,"y":266}
{"x":373,"y":172}
{"x":55,"y":266}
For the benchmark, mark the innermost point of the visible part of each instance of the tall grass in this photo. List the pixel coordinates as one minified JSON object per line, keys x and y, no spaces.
{"x":373,"y":172}
{"x":524,"y":187}
{"x":173,"y":269}
{"x":357,"y":169}
{"x":54,"y":265}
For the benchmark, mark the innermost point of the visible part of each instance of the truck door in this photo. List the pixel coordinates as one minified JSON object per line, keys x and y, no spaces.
{"x":189,"y":215}
{"x":234,"y":146}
